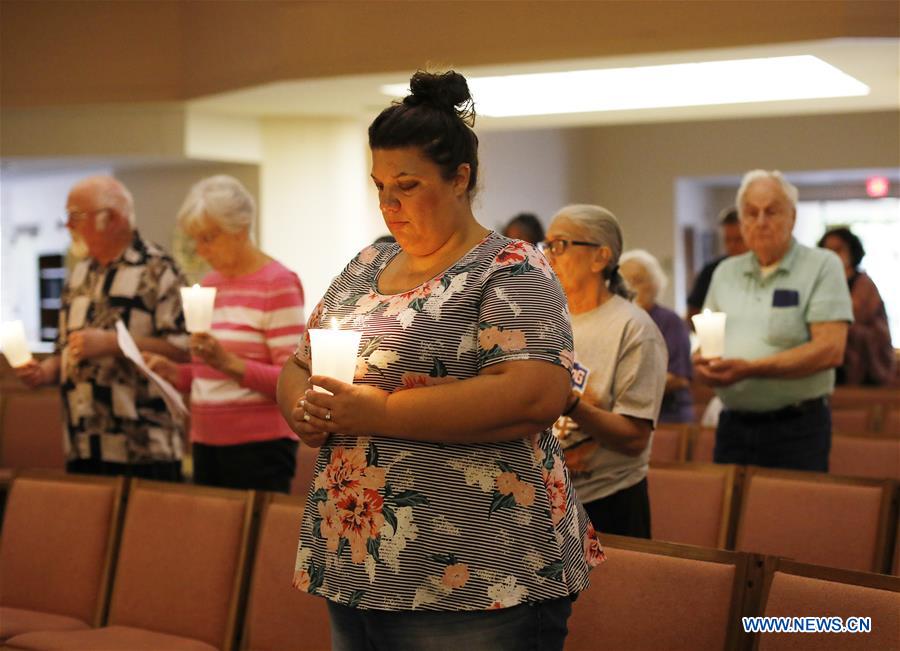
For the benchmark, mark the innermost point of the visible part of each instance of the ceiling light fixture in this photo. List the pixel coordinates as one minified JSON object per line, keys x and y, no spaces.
{"x":647,"y":87}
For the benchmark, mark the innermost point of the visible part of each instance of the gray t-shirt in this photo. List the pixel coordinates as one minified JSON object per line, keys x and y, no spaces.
{"x":620,"y":364}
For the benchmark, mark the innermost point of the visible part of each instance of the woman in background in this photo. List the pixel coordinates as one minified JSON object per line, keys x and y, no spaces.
{"x":645,"y":277}
{"x":239,"y":439}
{"x":869,"y":356}
{"x":619,"y":373}
{"x":526,"y":227}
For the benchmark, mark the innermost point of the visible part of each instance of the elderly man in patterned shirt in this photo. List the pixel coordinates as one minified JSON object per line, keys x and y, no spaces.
{"x":116,"y":422}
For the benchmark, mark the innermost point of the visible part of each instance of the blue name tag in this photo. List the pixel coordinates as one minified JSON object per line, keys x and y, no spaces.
{"x":579,"y":376}
{"x":785,"y":298}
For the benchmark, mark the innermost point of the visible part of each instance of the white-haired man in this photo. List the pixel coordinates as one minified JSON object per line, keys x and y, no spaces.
{"x":788,"y":312}
{"x":115,"y":424}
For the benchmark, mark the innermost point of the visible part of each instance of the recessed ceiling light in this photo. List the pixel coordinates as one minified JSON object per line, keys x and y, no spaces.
{"x":681,"y":84}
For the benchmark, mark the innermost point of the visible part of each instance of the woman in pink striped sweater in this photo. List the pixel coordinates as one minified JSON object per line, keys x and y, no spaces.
{"x":239,"y":438}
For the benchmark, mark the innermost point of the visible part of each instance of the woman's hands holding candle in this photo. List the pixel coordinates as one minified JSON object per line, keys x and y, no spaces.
{"x":210,"y":351}
{"x":356,"y":409}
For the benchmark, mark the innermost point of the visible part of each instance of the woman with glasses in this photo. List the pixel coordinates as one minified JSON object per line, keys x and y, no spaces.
{"x":239,"y":439}
{"x":441,"y":514}
{"x":618,"y":377}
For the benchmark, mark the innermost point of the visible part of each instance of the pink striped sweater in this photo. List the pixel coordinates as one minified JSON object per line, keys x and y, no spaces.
{"x":260,"y":318}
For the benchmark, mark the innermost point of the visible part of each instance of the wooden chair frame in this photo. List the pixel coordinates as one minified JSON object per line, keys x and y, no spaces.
{"x":249,"y":498}
{"x":743,"y":573}
{"x":886,"y":514}
{"x":732,"y":475}
{"x":115,"y":526}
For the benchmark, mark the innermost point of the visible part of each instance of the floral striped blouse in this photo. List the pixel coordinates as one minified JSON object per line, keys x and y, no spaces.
{"x":405,"y":525}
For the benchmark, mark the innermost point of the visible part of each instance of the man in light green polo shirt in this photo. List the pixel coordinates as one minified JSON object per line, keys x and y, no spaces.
{"x":788,"y":312}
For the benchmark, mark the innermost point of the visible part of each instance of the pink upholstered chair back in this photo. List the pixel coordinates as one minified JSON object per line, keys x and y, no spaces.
{"x":703,"y":445}
{"x":815,"y":518}
{"x":691,"y":503}
{"x":644,"y":600}
{"x":55,"y":552}
{"x":850,"y":420}
{"x":181,"y":561}
{"x":306,"y":464}
{"x":31,"y":434}
{"x":857,"y":456}
{"x":278,"y":615}
{"x":891,"y":421}
{"x":669,"y":443}
{"x":792,"y":595}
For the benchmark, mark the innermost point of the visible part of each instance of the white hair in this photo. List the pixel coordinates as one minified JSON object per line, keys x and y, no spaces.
{"x":787,"y":188}
{"x":223,"y":199}
{"x":649,"y":262}
{"x":603,"y":228}
{"x":110,"y":194}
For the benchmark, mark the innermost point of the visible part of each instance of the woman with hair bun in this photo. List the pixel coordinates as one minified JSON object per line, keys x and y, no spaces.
{"x":441,"y":514}
{"x":619,"y":373}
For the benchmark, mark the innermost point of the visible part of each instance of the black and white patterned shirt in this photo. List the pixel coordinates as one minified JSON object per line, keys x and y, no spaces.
{"x":112,"y":413}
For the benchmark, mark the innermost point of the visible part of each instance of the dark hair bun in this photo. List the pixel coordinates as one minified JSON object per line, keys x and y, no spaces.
{"x":447,"y":91}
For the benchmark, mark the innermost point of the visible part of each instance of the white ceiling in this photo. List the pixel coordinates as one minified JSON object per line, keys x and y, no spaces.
{"x":873,"y":61}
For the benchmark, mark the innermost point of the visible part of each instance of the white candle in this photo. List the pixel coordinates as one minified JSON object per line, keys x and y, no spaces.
{"x":710,"y":327}
{"x":334,"y":352}
{"x":197,"y":303}
{"x":13,"y":343}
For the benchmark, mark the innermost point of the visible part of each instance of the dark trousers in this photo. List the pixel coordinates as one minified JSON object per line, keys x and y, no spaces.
{"x":535,"y":626}
{"x":796,"y":437}
{"x":262,"y":466}
{"x":156,"y":470}
{"x":624,"y":513}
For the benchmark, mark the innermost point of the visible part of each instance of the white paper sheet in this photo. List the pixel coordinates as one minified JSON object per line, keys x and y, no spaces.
{"x":170,"y":395}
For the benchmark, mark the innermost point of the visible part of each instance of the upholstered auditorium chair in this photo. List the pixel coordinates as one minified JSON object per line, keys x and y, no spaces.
{"x":850,"y":421}
{"x":815,"y":518}
{"x":31,"y":430}
{"x":863,"y":456}
{"x":278,"y":616}
{"x":703,"y":444}
{"x":55,"y":553}
{"x":178,"y":576}
{"x":651,"y":595}
{"x":306,"y":463}
{"x":892,"y":422}
{"x":794,"y":589}
{"x":669,"y":443}
{"x":691,"y":503}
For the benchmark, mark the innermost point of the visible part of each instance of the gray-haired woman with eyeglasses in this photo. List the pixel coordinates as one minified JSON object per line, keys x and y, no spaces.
{"x":618,"y":377}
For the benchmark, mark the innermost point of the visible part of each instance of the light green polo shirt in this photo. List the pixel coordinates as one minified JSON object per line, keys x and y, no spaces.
{"x":770,"y":315}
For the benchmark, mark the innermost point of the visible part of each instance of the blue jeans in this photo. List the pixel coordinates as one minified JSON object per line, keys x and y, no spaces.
{"x":796,"y":437}
{"x":539,"y":626}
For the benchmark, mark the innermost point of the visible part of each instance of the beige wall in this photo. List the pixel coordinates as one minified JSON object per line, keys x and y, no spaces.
{"x":159,"y":191}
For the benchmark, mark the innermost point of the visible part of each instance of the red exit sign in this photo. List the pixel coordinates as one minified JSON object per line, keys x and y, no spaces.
{"x":877,"y":186}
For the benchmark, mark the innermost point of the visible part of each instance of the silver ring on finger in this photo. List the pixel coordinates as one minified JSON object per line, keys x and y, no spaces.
{"x":306,"y":417}
{"x":328,"y":415}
